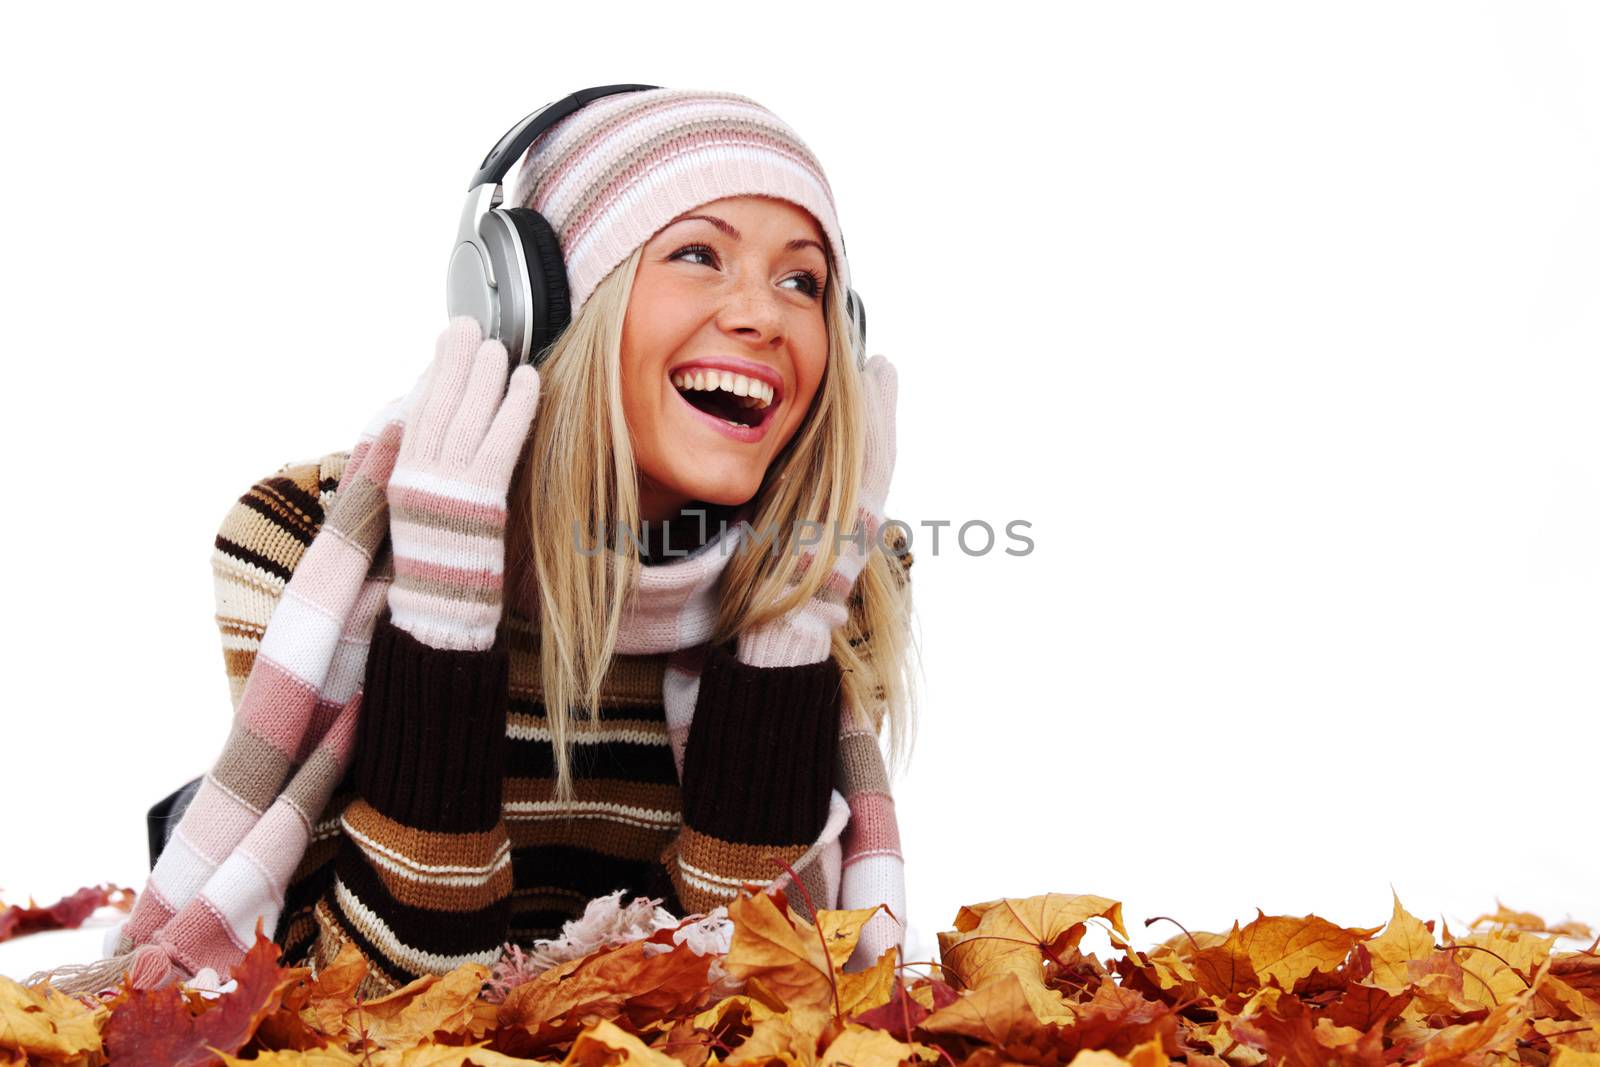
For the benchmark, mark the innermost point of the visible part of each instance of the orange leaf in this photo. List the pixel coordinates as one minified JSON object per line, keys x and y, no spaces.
{"x":769,"y":949}
{"x":1284,"y":949}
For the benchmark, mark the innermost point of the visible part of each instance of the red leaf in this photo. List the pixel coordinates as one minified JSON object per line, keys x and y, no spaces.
{"x":67,"y":913}
{"x":157,"y":1028}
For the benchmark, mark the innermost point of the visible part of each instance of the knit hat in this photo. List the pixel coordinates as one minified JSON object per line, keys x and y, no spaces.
{"x":614,"y":172}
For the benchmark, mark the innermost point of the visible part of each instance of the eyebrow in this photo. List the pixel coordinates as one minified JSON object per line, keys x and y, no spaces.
{"x":728,"y":228}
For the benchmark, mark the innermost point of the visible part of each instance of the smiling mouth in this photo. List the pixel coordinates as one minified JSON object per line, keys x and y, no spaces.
{"x":717,"y":393}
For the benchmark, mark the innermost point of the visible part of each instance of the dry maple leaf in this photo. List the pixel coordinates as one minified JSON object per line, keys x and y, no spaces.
{"x":1404,"y":940}
{"x":1225,"y":969}
{"x":159,"y":1028}
{"x":1014,"y":935}
{"x":1284,"y":949}
{"x":418,"y":1010}
{"x":44,"y":1024}
{"x":768,"y":949}
{"x":605,"y":1044}
{"x":67,"y":913}
{"x":1528,"y":922}
{"x":859,"y":1046}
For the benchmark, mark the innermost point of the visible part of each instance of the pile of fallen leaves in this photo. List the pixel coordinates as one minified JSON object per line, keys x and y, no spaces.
{"x":1013,"y":985}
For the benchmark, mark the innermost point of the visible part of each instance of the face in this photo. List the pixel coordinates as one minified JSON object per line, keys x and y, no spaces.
{"x":723,"y":348}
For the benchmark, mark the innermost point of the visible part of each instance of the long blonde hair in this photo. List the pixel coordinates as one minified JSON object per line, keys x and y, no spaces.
{"x":577,"y":473}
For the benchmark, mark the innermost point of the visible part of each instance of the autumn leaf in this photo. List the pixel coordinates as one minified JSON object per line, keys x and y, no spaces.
{"x":157,"y":1027}
{"x":769,"y":949}
{"x":45,"y":1024}
{"x":859,"y":1046}
{"x":606,"y":1044}
{"x":1496,"y":966}
{"x":996,"y":1013}
{"x":840,"y":931}
{"x":417,"y":1011}
{"x":1225,"y":969}
{"x":1507,"y":918}
{"x":1284,"y":949}
{"x":1014,"y":935}
{"x":1404,"y":940}
{"x":609,"y":983}
{"x":68,"y":913}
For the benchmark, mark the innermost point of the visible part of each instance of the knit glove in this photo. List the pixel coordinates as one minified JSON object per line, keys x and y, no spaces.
{"x":805,"y":634}
{"x":464,"y":431}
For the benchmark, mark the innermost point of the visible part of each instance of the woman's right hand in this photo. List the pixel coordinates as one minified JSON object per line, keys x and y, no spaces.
{"x":464,"y":430}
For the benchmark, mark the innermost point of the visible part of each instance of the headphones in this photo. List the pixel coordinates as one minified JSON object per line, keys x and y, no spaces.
{"x":507,"y":270}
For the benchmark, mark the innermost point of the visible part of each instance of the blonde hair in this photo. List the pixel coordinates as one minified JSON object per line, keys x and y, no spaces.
{"x":577,"y":472}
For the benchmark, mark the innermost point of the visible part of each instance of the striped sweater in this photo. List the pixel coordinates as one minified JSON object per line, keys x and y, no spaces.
{"x":444,"y":838}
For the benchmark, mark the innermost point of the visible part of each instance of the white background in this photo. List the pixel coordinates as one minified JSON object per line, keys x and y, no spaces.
{"x":1277,"y":321}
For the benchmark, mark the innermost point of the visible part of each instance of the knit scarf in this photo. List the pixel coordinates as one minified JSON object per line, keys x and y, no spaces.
{"x":228,"y":863}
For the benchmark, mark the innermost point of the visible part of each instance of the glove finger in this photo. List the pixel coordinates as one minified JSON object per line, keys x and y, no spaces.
{"x":497,"y":459}
{"x":448,"y":382}
{"x":486,"y":387}
{"x":390,"y":412}
{"x":360,"y":508}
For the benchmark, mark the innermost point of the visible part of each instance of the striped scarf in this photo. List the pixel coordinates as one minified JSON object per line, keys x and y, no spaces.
{"x":227,"y":865}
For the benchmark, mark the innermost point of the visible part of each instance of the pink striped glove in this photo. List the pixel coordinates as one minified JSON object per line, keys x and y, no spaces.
{"x":805,"y":634}
{"x":447,"y":496}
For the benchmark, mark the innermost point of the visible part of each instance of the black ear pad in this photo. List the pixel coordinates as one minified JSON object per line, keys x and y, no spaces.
{"x":856,"y":308}
{"x":550,"y":302}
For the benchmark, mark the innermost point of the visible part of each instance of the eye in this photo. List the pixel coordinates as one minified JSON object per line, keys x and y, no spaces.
{"x":695,"y":250}
{"x":814,"y":283}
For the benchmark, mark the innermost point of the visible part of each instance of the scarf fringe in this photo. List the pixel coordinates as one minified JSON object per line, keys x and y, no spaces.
{"x":146,"y":967}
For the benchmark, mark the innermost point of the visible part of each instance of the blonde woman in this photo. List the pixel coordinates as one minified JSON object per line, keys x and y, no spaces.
{"x":637,"y":625}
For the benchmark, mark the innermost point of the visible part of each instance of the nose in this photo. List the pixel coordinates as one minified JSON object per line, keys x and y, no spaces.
{"x":753,"y":313}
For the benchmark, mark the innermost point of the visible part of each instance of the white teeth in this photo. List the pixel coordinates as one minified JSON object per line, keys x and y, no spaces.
{"x":757,"y":392}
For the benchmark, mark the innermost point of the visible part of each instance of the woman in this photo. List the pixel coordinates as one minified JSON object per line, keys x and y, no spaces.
{"x":705,"y":396}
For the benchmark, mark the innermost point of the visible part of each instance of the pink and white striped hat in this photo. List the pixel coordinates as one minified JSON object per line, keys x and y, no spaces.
{"x":615,"y":171}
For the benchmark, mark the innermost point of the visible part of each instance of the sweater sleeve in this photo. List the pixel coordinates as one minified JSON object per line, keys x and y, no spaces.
{"x":423,"y":790}
{"x":423,"y":876}
{"x":758,"y":775}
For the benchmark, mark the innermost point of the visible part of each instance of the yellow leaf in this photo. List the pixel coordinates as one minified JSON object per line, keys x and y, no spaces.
{"x":606,"y":1044}
{"x":46,"y":1023}
{"x":1487,"y":960}
{"x":859,"y":1046}
{"x":868,"y":989}
{"x":790,"y":1038}
{"x":1011,"y":936}
{"x":1403,"y":940}
{"x":840,"y":929}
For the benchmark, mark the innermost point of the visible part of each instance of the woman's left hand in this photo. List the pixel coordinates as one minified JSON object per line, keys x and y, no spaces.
{"x":805,"y":634}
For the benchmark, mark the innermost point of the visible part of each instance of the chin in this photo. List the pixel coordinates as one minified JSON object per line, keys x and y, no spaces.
{"x":727,"y":491}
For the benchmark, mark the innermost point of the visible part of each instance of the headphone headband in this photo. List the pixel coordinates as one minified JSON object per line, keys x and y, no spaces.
{"x":516,"y":140}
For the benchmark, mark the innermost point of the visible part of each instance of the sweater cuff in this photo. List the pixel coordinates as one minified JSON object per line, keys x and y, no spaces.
{"x":431,"y":738}
{"x":759,"y":762}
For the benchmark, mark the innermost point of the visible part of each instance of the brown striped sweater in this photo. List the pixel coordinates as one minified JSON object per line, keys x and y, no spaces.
{"x":453,"y":772}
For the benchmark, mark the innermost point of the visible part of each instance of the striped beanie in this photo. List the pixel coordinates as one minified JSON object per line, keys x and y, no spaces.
{"x":618,"y":169}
